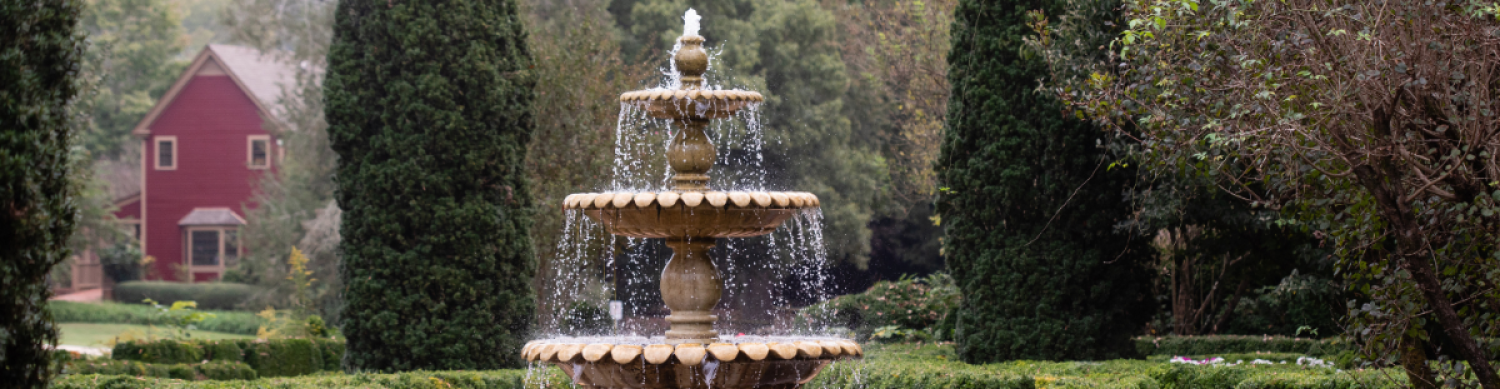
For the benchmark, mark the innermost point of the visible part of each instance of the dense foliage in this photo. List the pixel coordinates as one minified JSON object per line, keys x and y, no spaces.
{"x":1371,"y":123}
{"x":132,"y":51}
{"x":429,"y":109}
{"x":1029,"y":203}
{"x":40,"y":51}
{"x":911,"y":308}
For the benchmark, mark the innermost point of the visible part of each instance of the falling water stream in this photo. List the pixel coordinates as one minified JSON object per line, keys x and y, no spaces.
{"x":766,"y":279}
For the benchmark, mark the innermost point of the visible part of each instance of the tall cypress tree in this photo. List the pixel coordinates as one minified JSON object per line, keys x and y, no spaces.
{"x":428,"y":105}
{"x":39,"y":64}
{"x":1029,"y":203}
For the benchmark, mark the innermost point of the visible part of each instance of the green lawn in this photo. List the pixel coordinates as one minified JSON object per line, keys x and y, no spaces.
{"x":97,"y":334}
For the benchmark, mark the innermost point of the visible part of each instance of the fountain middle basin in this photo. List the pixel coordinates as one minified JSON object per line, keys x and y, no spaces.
{"x":754,"y":363}
{"x":691,"y":214}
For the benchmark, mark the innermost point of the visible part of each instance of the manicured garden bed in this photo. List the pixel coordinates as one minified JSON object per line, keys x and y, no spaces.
{"x":885,"y":367}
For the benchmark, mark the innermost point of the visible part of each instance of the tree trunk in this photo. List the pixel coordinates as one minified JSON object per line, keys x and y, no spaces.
{"x":1414,"y":361}
{"x":1184,"y":322}
{"x":1239,"y":292}
{"x":1385,"y":185}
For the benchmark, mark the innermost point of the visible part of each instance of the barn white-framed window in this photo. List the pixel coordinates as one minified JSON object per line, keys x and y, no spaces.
{"x":258,"y":151}
{"x":166,"y":152}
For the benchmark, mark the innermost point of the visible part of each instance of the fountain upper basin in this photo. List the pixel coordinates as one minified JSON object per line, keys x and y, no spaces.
{"x":696,"y":104}
{"x":691,"y":214}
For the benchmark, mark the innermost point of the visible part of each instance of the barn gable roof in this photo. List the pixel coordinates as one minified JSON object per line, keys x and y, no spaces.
{"x":260,"y":74}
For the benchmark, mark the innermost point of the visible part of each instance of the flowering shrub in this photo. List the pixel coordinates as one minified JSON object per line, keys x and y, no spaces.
{"x":909,"y":308}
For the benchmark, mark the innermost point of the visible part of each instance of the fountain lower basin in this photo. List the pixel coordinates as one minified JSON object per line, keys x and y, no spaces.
{"x":770,"y":365}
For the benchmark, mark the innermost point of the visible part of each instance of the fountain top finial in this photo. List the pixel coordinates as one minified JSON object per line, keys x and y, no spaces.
{"x":691,"y":61}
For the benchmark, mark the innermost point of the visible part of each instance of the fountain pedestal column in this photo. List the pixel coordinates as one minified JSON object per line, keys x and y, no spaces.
{"x":690,"y":285}
{"x":691,"y":155}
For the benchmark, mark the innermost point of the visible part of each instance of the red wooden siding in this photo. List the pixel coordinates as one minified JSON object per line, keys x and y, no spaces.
{"x":211,"y":118}
{"x":130,"y":210}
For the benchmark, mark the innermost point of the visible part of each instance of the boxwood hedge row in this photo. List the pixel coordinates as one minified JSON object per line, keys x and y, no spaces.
{"x":210,"y":295}
{"x":1235,"y":344}
{"x":213,"y":370}
{"x":495,"y":379}
{"x":872,"y":374}
{"x":233,"y":322}
{"x":269,"y":358}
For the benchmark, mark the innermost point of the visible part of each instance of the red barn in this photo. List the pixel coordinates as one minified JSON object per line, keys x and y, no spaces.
{"x":206,"y":144}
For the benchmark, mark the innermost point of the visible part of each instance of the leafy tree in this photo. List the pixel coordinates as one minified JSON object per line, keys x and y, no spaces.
{"x":429,"y":106}
{"x":1029,"y":205}
{"x":295,"y":206}
{"x":1222,"y":264}
{"x":39,"y":64}
{"x":133,"y":47}
{"x":579,"y":77}
{"x":896,"y":53}
{"x":1371,"y":122}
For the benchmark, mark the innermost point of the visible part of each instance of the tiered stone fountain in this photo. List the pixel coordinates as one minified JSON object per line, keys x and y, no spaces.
{"x":691,"y":216}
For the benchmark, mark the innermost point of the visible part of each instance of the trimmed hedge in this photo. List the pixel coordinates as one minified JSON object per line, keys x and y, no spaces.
{"x":230,"y":322}
{"x":216,"y":370}
{"x":914,"y":366}
{"x":273,"y":358}
{"x":886,"y":367}
{"x":212,"y":295}
{"x":1236,"y":344}
{"x":494,"y":379}
{"x":285,"y":357}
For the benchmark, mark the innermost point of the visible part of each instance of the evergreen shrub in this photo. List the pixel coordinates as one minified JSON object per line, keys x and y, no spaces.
{"x":428,"y":106}
{"x":208,"y":295}
{"x":40,"y":50}
{"x":1029,"y":203}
